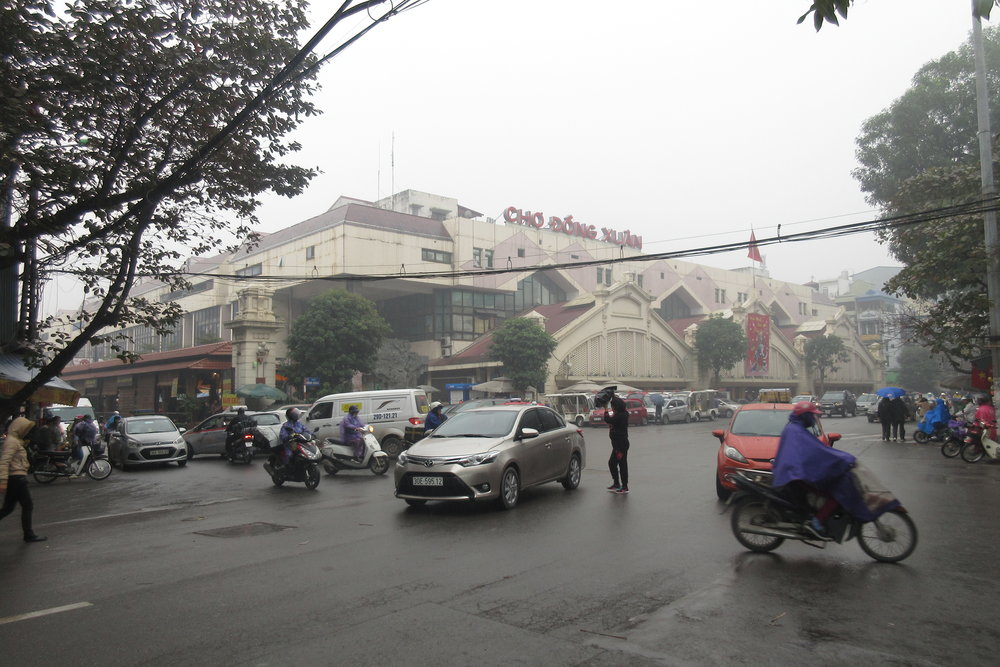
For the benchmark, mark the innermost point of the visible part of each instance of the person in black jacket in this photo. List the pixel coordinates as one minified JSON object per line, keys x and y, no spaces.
{"x":899,"y":411}
{"x":616,"y":415}
{"x":884,"y":412}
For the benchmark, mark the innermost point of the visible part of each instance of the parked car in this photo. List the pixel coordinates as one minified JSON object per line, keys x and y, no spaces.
{"x":209,"y":437}
{"x":727,"y":409}
{"x":676,"y":410}
{"x":805,"y":397}
{"x":638,"y":414}
{"x":751,"y":441}
{"x":145,"y":440}
{"x":866,"y":403}
{"x":840,"y":402}
{"x":491,"y":454}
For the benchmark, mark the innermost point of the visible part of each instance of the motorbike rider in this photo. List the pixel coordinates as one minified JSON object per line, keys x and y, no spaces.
{"x":236,"y":427}
{"x":351,"y":428}
{"x":114,"y":421}
{"x":85,"y":433}
{"x":435,"y":417}
{"x":986,"y":414}
{"x":289,"y":428}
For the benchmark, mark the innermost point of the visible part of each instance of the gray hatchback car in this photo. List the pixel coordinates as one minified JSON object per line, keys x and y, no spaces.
{"x":147,"y":439}
{"x":491,"y":454}
{"x":209,"y":437}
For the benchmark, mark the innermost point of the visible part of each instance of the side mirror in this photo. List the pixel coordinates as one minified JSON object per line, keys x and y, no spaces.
{"x":719,"y":433}
{"x":181,"y":430}
{"x":528,"y":433}
{"x":833,"y":437}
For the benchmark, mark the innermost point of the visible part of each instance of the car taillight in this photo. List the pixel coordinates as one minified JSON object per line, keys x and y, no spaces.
{"x":416,"y":421}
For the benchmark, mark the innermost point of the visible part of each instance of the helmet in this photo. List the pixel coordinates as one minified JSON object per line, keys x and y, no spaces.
{"x":435,"y":405}
{"x":292,"y":414}
{"x":241,"y":410}
{"x":117,"y":413}
{"x":805,"y":406}
{"x":353,"y":409}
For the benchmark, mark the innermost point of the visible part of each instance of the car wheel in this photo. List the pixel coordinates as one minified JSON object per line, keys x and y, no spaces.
{"x":687,"y":418}
{"x":722,"y":492}
{"x":645,"y":422}
{"x":182,"y":463}
{"x":711,"y":416}
{"x":392,"y":446}
{"x":190,"y":450}
{"x":510,"y":488}
{"x":579,"y":422}
{"x":573,"y":473}
{"x":415,"y":502}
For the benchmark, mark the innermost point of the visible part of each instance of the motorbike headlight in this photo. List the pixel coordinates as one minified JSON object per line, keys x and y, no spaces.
{"x":479,"y":459}
{"x":734,"y":454}
{"x":401,"y":459}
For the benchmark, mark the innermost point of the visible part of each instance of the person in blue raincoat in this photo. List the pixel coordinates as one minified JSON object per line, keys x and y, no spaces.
{"x":802,"y":457}
{"x":938,"y":416}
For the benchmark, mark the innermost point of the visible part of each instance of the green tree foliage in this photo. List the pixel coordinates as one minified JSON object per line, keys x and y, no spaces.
{"x":827,"y":10}
{"x":823,"y":354}
{"x":720,"y":344}
{"x":339,"y":333}
{"x":918,"y":369}
{"x":524,"y":348}
{"x":397,"y":365}
{"x":104,"y":109}
{"x":921,"y":154}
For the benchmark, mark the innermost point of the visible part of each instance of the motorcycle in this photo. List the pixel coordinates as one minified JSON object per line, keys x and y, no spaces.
{"x":46,"y":467}
{"x":952,"y":447}
{"x":338,"y":456}
{"x":241,"y":449}
{"x":764,"y":517}
{"x":303,"y":466}
{"x":926,"y":432}
{"x":979,"y":444}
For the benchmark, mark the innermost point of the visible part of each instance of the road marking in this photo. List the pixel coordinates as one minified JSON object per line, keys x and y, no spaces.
{"x":44,"y":612}
{"x":145,"y":510}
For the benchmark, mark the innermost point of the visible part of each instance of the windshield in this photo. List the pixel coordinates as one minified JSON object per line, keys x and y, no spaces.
{"x":768,"y":423}
{"x":266,"y":419}
{"x":483,"y":423}
{"x":833,"y":396}
{"x":866,"y":397}
{"x":149,"y":425}
{"x":68,"y":414}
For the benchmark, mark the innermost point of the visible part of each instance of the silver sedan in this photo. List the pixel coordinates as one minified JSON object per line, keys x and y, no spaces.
{"x":491,"y":454}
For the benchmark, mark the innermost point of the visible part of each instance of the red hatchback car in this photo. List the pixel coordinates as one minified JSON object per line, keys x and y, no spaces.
{"x":751,"y":441}
{"x":637,"y":414}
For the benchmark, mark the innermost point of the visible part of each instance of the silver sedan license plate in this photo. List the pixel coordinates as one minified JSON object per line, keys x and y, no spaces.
{"x":428,"y":481}
{"x":159,"y":452}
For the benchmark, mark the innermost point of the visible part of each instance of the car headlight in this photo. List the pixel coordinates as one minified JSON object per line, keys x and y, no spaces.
{"x":179,"y":442}
{"x":133,"y":443}
{"x":479,"y":459}
{"x":401,"y":459}
{"x":734,"y":454}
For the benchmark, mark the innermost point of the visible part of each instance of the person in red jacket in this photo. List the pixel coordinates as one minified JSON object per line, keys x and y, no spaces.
{"x":986,"y":414}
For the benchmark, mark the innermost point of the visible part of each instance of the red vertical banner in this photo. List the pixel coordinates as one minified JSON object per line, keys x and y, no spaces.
{"x":758,"y":359}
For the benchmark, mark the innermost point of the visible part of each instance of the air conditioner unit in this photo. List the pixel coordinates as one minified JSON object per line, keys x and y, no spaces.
{"x":446,"y":346}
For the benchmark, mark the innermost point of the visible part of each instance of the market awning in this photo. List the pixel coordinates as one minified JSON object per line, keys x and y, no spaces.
{"x":14,"y":374}
{"x":211,"y":357}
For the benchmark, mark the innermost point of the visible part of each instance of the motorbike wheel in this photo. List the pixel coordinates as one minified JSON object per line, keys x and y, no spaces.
{"x":889,"y":538}
{"x":973,"y":452}
{"x":312,"y":476}
{"x":99,"y":469}
{"x":753,"y":511}
{"x":379,"y":465}
{"x":920,"y":437}
{"x":44,"y":475}
{"x":330,"y":468}
{"x":951,"y":447}
{"x":277,"y":480}
{"x":248,"y":456}
{"x":510,"y":488}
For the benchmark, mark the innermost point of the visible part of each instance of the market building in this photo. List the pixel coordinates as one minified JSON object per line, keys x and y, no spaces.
{"x":444,"y":276}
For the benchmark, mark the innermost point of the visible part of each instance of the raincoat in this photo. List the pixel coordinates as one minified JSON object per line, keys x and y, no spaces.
{"x":804,"y":458}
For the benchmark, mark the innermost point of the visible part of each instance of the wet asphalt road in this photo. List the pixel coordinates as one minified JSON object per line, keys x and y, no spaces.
{"x":349,"y":575}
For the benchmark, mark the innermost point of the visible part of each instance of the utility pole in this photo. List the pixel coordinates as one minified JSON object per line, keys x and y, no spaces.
{"x":989,"y":191}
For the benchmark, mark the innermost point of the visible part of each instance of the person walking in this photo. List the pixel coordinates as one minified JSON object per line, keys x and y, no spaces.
{"x":884,"y":412}
{"x":616,"y":415}
{"x":14,"y":476}
{"x":898,"y":412}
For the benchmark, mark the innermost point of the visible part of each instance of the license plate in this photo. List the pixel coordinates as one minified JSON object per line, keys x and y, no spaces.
{"x":428,"y":481}
{"x":159,"y":452}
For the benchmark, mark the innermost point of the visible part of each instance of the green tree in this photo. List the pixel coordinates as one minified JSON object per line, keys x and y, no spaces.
{"x":397,"y":365}
{"x":339,"y":333}
{"x":720,"y":343}
{"x":823,"y":354}
{"x":524,"y":348}
{"x":918,"y":369}
{"x":133,"y":134}
{"x":921,"y":154}
{"x":827,"y":10}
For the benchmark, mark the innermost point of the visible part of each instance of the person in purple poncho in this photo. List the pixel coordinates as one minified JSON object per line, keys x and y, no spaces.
{"x":351,"y":429}
{"x":802,"y":457}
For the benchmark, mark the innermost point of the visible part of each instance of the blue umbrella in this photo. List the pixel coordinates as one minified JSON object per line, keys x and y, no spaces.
{"x":890,"y":392}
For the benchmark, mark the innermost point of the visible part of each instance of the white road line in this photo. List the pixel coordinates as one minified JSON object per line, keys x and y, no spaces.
{"x":44,"y":612}
{"x":145,"y":510}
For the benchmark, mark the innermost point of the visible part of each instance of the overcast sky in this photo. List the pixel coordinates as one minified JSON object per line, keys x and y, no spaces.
{"x":686,"y":122}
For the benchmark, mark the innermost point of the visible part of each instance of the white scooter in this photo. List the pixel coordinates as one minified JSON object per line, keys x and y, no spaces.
{"x":979,"y":444}
{"x":337,"y":456}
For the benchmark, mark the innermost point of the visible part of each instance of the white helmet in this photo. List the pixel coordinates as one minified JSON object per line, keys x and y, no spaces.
{"x":434,"y":406}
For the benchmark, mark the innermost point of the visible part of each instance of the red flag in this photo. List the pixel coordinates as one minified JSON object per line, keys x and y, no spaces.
{"x":753,"y":253}
{"x":982,"y":373}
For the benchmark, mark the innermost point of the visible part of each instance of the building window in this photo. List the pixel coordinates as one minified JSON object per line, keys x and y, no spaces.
{"x":607,"y":276}
{"x":803,"y":309}
{"x":520,"y":252}
{"x":720,"y":295}
{"x":431,"y":255}
{"x":248,"y":271}
{"x":488,"y":256}
{"x":742,"y":297}
{"x":205,"y":325}
{"x":600,"y":276}
{"x":537,"y":290}
{"x":311,"y":252}
{"x":639,"y":279}
{"x":477,"y":257}
{"x":674,"y":308}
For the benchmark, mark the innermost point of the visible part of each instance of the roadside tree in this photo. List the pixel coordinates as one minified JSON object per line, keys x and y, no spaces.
{"x":524,"y":349}
{"x":823,"y":354}
{"x":720,"y":344}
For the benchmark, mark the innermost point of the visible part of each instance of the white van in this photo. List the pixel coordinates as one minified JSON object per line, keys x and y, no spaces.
{"x":69,"y":412}
{"x":391,"y":411}
{"x":575,"y":407}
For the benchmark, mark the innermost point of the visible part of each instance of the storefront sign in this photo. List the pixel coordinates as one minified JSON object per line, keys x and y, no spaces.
{"x":571,"y":227}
